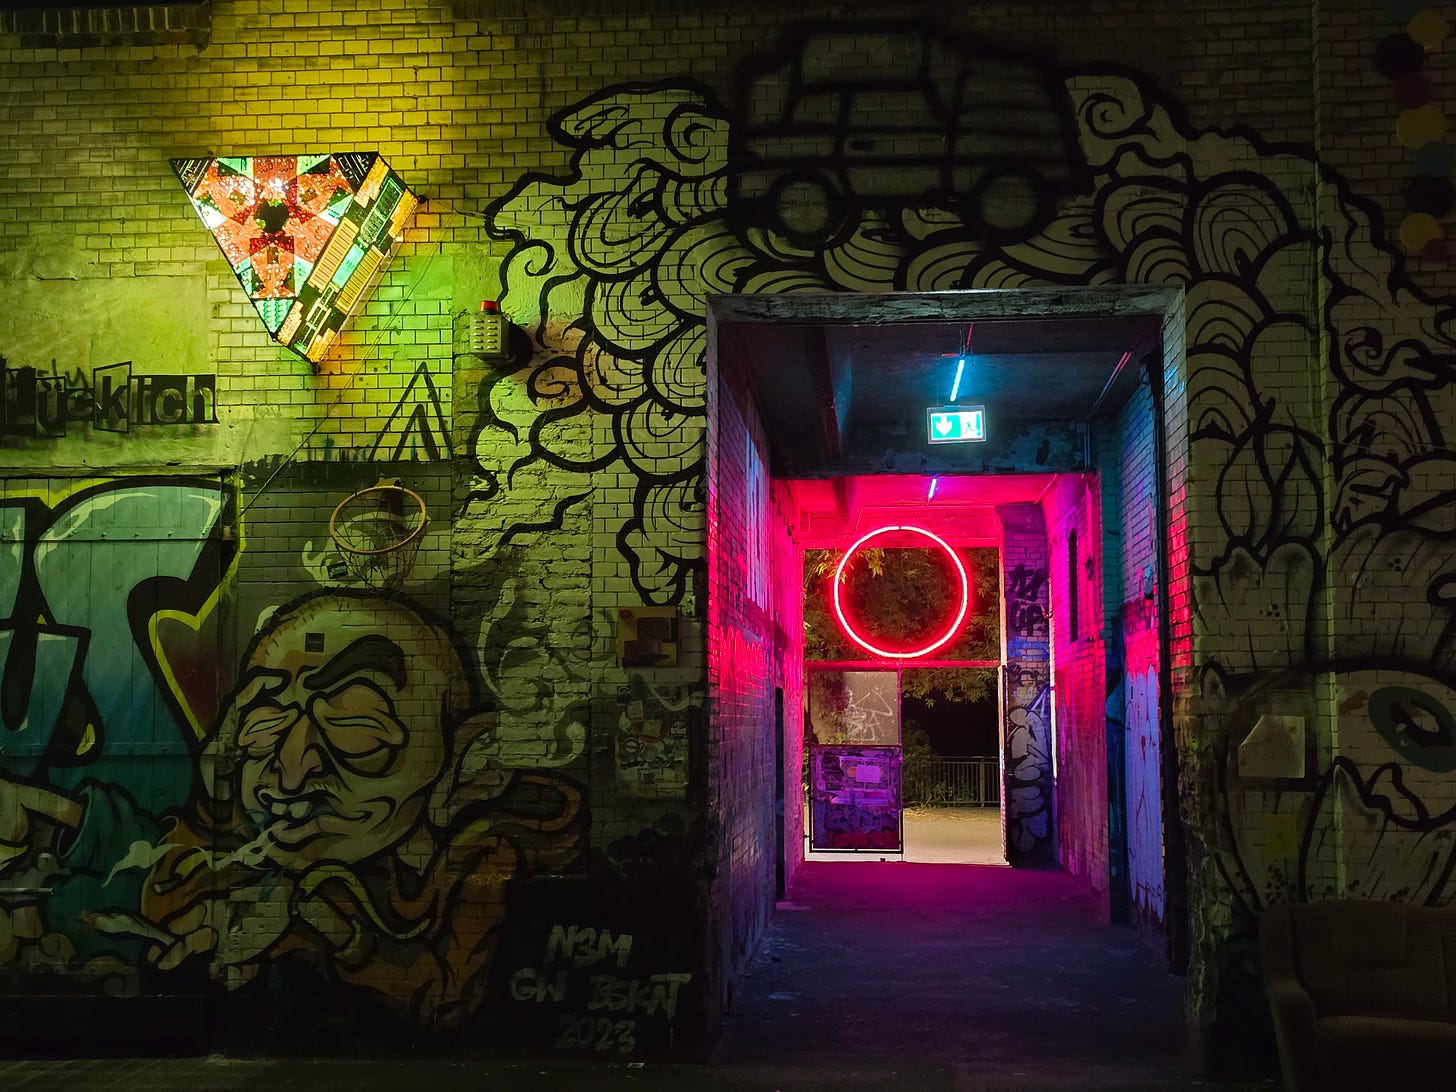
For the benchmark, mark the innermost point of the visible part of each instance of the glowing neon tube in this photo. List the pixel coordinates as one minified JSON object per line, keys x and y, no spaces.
{"x":904,"y":654}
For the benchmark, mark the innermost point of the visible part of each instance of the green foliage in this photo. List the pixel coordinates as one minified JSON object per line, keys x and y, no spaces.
{"x":964,"y":685}
{"x":915,"y":741}
{"x":932,"y":795}
{"x":919,"y":790}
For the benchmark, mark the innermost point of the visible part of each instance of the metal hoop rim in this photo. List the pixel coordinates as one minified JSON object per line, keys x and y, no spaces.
{"x":402,"y":543}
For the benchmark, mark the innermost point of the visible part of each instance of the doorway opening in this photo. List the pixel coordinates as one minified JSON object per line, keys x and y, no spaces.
{"x":823,"y":417}
{"x":928,"y":788}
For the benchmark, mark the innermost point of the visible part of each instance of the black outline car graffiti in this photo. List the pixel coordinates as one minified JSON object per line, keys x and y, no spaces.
{"x":849,"y":118}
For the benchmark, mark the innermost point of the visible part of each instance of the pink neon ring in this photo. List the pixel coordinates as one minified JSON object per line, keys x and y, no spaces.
{"x":950,"y":632}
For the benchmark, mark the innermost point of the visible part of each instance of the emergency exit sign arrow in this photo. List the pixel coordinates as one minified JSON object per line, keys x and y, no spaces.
{"x":956,"y":424}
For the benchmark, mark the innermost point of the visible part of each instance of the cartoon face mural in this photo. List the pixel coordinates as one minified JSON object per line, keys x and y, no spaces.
{"x":359,"y":810}
{"x":363,"y":760}
{"x":340,"y":747}
{"x":642,"y":231}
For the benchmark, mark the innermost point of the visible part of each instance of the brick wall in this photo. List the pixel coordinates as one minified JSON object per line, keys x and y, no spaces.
{"x":1138,"y":622}
{"x":573,"y":165}
{"x":1028,"y":795}
{"x":283,"y":524}
{"x":90,"y":199}
{"x":1360,"y":114}
{"x":1076,"y":573}
{"x":788,"y":614}
{"x":743,"y":651}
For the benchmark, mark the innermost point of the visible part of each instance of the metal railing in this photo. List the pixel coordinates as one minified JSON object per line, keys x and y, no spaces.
{"x":953,"y":782}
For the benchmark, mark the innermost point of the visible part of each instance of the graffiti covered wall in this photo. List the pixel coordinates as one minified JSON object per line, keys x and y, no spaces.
{"x":110,"y":593}
{"x":601,"y":199}
{"x":112,"y":641}
{"x":1026,"y":699}
{"x":1140,"y":540}
{"x":1230,"y":219}
{"x":787,"y":558}
{"x":744,"y":632}
{"x":315,"y":811}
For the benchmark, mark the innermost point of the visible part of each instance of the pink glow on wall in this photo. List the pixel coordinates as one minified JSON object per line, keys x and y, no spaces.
{"x":901,"y":654}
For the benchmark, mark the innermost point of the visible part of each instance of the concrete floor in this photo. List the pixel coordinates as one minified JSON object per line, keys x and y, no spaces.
{"x":873,"y":976}
{"x":958,"y":977}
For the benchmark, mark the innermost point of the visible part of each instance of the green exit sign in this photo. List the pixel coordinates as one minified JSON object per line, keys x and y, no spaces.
{"x":956,"y":424}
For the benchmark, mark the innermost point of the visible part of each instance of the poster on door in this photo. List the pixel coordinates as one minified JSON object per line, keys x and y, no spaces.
{"x":854,"y":795}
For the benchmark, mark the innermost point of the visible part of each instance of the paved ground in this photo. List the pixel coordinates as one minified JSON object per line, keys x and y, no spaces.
{"x":222,"y":1075}
{"x":877,"y":976}
{"x":954,"y":836}
{"x":943,"y":977}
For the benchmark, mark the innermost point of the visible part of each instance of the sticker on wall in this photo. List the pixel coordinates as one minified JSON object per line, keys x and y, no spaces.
{"x":650,"y":752}
{"x":647,"y":636}
{"x":307,"y":236}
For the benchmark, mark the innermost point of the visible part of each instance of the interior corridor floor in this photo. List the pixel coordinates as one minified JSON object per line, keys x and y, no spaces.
{"x":963,"y":977}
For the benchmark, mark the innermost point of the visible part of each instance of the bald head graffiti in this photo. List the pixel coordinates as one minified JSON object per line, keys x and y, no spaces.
{"x":366,"y":804}
{"x":344,"y":719}
{"x":359,"y":813}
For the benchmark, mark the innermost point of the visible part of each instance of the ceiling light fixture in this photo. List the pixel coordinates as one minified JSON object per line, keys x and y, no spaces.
{"x":955,"y":388}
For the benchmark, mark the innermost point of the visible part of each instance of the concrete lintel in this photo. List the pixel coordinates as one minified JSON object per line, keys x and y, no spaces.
{"x":831,"y":381}
{"x":859,"y":308}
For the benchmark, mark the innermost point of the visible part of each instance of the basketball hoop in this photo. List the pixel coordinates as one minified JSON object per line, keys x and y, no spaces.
{"x":378,"y":532}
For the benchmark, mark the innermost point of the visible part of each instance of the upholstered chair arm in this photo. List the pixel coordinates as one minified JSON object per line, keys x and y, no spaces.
{"x":1294,"y":1031}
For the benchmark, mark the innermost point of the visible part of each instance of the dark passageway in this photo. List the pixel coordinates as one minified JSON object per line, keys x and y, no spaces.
{"x":954,"y":976}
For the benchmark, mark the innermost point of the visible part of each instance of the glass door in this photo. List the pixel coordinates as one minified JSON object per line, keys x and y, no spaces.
{"x":855,"y":797}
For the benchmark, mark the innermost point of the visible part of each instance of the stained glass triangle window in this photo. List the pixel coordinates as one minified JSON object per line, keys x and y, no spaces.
{"x":307,"y":236}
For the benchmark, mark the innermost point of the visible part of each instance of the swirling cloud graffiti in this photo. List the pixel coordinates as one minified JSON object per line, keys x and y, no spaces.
{"x":1327,"y":513}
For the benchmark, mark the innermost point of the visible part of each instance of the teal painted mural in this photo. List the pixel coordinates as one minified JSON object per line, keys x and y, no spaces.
{"x":344,"y":812}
